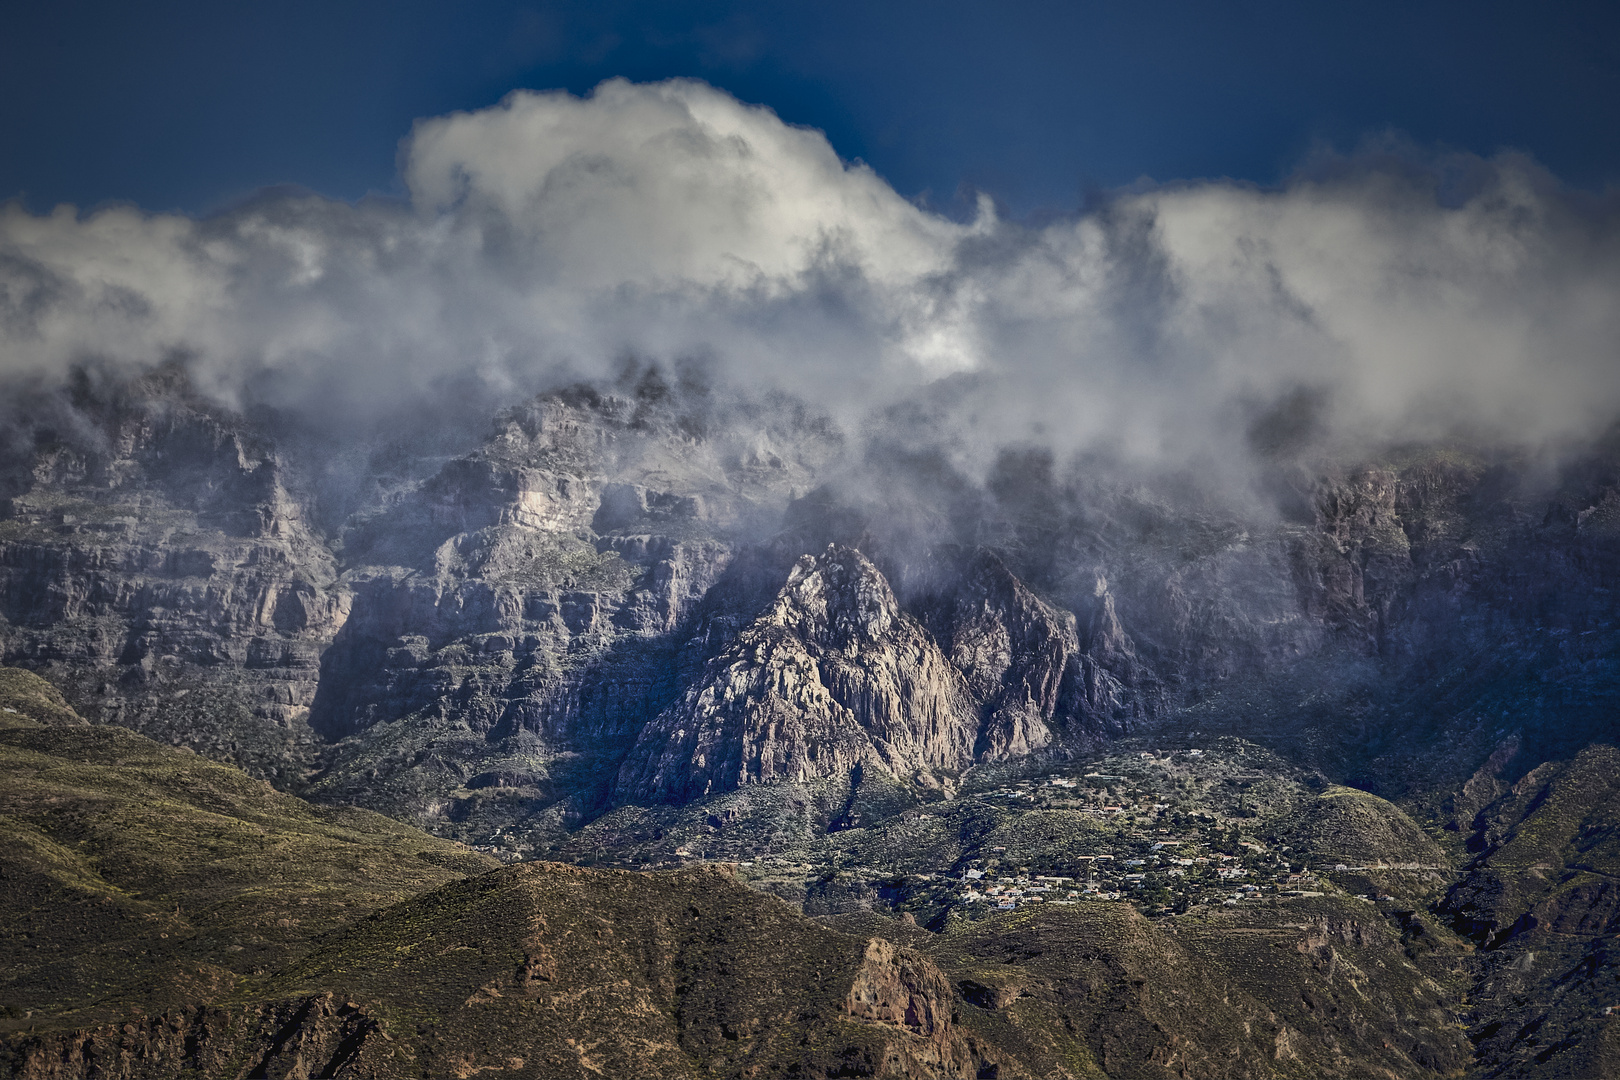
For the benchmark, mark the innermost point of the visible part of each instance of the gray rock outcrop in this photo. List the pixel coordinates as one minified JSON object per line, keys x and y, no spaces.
{"x":1022,"y":659}
{"x":150,"y":549}
{"x":835,"y":675}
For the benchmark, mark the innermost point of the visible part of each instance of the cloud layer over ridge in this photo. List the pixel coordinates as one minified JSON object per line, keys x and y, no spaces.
{"x":551,"y":236}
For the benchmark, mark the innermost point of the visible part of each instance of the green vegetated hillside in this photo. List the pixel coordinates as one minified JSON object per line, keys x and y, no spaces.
{"x":143,"y":875}
{"x":1356,"y":827}
{"x":165,"y":916}
{"x":25,"y":696}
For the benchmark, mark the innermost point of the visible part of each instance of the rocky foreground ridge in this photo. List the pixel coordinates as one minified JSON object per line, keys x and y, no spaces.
{"x":169,"y":916}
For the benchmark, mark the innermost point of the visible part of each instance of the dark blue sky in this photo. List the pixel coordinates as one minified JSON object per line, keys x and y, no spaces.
{"x":192,"y":105}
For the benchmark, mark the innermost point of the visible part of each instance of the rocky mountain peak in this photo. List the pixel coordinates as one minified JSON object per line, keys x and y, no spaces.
{"x":839,"y":600}
{"x":834,"y":675}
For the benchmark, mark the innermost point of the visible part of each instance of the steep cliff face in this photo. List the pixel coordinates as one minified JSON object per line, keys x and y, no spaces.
{"x":151,"y":540}
{"x":523,"y":612}
{"x":834,"y":676}
{"x":477,"y":641}
{"x":1483,"y":591}
{"x":581,"y":523}
{"x":1415,"y":611}
{"x":1023,"y":660}
{"x":901,"y":989}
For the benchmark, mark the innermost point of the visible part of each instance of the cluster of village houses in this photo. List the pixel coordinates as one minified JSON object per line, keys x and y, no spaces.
{"x":1096,"y":811}
{"x":1165,"y":870}
{"x":1008,"y":893}
{"x":1164,"y":860}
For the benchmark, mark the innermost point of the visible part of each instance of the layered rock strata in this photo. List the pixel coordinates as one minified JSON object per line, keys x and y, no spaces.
{"x":479,"y":639}
{"x":153,"y":539}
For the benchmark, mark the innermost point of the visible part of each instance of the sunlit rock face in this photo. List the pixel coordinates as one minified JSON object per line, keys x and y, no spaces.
{"x":833,"y":676}
{"x":521,"y":613}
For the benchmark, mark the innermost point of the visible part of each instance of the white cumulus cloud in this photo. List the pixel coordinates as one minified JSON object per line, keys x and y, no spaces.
{"x":550,"y":236}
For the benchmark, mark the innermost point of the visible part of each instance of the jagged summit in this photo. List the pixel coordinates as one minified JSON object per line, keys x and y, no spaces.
{"x":838,"y":600}
{"x":833,"y":676}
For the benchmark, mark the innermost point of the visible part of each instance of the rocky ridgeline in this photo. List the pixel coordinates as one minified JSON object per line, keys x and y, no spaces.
{"x":836,"y":677}
{"x":1023,"y":660}
{"x":646,"y":595}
